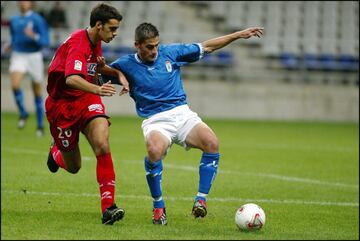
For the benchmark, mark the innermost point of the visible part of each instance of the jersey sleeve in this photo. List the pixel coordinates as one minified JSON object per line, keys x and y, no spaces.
{"x":76,"y":63}
{"x":12,"y":32}
{"x":186,"y":53}
{"x":42,"y":30}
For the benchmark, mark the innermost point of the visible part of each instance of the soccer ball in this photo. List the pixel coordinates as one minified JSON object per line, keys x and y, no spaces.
{"x":250,"y":217}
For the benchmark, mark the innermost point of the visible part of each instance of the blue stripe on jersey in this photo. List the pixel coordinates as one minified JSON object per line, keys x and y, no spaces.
{"x":158,"y":87}
{"x":20,"y":42}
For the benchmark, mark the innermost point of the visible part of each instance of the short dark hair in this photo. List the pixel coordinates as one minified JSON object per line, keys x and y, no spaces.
{"x":145,"y":31}
{"x":103,"y":12}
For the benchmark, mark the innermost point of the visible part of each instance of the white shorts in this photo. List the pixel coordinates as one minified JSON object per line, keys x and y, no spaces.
{"x":174,"y":124}
{"x":31,"y":63}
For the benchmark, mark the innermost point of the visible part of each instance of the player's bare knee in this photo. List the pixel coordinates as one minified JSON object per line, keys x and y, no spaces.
{"x":211,"y":145}
{"x":154,"y":152}
{"x":154,"y":156}
{"x":101,"y":148}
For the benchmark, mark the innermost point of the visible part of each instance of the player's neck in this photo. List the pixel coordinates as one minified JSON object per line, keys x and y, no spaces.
{"x":26,"y":12}
{"x":93,"y":37}
{"x":141,"y":60}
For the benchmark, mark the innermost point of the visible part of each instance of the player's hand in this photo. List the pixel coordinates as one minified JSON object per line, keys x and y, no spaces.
{"x":249,"y":32}
{"x":107,"y":89}
{"x":124,"y":83}
{"x":29,"y":31}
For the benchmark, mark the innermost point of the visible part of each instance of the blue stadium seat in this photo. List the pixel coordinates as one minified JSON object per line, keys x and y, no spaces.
{"x":217,"y":59}
{"x":290,"y":61}
{"x":311,"y":62}
{"x":112,"y":53}
{"x":328,"y":62}
{"x":348,"y":63}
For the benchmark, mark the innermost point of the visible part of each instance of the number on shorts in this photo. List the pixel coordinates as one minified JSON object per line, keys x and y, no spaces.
{"x":67,"y":133}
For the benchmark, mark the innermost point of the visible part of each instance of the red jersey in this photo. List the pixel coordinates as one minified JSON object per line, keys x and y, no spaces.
{"x":76,"y":56}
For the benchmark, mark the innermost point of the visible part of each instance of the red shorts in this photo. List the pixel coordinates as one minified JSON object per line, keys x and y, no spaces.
{"x":68,"y":117}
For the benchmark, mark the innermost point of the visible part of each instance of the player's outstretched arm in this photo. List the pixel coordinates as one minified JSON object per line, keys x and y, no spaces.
{"x":220,"y":42}
{"x":77,"y":82}
{"x":107,"y":70}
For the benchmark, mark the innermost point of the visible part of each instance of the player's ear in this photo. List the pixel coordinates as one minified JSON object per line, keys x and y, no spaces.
{"x":98,"y":25}
{"x":136,"y":44}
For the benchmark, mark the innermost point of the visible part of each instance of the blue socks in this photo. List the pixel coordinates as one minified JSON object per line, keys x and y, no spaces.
{"x":19,"y":98}
{"x":153,"y":177}
{"x":207,"y":171}
{"x":39,"y":111}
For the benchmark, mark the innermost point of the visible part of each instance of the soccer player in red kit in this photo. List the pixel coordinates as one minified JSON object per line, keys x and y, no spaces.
{"x":74,"y":103}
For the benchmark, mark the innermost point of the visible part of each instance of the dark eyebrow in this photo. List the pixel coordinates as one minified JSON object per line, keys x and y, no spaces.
{"x":113,"y":28}
{"x":152,"y":45}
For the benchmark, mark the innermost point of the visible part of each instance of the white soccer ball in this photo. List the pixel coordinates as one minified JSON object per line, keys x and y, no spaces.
{"x":250,"y":217}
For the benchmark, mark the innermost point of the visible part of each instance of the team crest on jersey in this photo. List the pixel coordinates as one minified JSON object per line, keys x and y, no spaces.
{"x":78,"y":65}
{"x":168,"y":66}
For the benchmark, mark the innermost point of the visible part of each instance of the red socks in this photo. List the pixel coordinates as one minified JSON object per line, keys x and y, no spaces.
{"x":105,"y":175}
{"x":58,"y":157}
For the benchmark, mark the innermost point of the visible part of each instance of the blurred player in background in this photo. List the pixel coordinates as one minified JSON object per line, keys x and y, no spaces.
{"x":29,"y":34}
{"x":74,"y":103}
{"x":156,"y":87}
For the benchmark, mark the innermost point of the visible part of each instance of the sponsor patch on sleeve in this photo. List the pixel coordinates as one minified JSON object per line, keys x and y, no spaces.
{"x":78,"y":65}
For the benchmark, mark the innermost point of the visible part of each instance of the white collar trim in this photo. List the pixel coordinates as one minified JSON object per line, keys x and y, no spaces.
{"x":140,"y":61}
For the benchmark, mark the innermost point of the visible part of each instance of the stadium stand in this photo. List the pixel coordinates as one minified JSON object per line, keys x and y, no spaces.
{"x":312,"y":37}
{"x":320,"y":36}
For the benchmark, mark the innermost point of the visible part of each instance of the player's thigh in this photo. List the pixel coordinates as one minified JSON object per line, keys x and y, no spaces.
{"x":97,"y":134}
{"x":35,"y":67}
{"x":17,"y":65}
{"x":16,"y":77}
{"x":157,"y":142}
{"x":203,"y":137}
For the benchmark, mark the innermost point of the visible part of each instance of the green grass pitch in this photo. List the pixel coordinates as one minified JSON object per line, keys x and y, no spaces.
{"x":304,"y":175}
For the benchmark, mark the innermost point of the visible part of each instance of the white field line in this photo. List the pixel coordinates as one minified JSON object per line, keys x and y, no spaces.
{"x":196,"y":169}
{"x":142,"y":197}
{"x":269,"y":175}
{"x":270,"y":146}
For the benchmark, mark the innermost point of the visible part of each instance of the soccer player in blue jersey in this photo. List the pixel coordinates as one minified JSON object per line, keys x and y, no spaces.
{"x":156,"y":87}
{"x":29,"y":34}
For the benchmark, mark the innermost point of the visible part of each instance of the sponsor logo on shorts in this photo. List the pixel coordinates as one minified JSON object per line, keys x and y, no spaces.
{"x":95,"y":107}
{"x":65,"y":143}
{"x":78,"y":65}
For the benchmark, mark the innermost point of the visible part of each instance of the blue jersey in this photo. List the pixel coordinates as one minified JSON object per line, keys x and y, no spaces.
{"x":20,"y":42}
{"x":157,"y":86}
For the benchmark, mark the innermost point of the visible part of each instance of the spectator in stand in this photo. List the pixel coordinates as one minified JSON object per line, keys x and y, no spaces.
{"x":57,"y":17}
